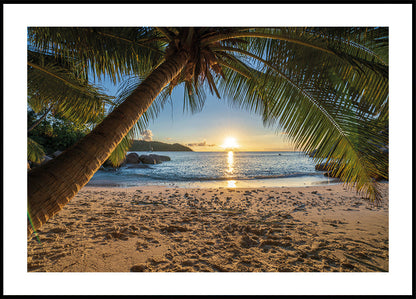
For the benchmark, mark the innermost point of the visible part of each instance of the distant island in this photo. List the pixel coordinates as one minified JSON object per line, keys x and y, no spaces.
{"x":144,"y":146}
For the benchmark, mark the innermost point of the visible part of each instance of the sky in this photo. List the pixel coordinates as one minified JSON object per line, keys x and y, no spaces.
{"x":208,"y":129}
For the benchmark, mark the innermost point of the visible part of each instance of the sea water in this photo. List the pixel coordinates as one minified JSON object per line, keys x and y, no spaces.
{"x":219,"y":169}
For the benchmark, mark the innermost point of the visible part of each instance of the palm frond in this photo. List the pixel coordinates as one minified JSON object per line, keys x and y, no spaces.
{"x":35,"y":152}
{"x":358,"y":72}
{"x":119,"y":153}
{"x":105,"y":51}
{"x":51,"y":84}
{"x":315,"y":118}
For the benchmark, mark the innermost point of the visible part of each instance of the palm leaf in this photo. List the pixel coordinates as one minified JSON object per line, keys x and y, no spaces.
{"x":50,"y":83}
{"x":107,"y":51}
{"x":35,"y":152}
{"x":312,"y":121}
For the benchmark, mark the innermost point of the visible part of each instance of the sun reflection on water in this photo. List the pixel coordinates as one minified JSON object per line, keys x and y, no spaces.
{"x":231,"y":184}
{"x":230,"y":161}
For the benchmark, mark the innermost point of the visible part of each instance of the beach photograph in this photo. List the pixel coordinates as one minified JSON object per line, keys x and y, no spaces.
{"x":221,"y":159}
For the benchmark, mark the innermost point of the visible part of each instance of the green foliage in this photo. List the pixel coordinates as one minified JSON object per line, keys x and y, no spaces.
{"x":54,"y":133}
{"x":52,"y":83}
{"x":104,"y":51}
{"x":119,"y":153}
{"x":35,"y":151}
{"x":142,"y":146}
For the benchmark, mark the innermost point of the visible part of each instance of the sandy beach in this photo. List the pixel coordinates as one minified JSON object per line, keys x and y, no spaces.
{"x":158,"y":229}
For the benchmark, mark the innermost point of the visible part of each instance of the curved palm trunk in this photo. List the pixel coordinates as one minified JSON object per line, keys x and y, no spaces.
{"x":53,"y":185}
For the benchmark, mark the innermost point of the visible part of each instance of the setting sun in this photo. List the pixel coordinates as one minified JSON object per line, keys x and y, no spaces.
{"x":230,"y":143}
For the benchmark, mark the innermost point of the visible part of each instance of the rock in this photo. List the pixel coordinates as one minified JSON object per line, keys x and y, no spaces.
{"x":56,"y":154}
{"x":153,"y":159}
{"x":146,"y":159}
{"x":160,"y":157}
{"x":132,"y":158}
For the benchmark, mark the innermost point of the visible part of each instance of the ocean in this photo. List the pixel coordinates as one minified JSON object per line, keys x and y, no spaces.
{"x":219,"y":169}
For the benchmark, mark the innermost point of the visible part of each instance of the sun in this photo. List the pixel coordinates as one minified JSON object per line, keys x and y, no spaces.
{"x":230,"y":143}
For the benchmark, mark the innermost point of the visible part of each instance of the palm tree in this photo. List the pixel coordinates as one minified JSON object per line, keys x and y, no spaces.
{"x":326,"y":87}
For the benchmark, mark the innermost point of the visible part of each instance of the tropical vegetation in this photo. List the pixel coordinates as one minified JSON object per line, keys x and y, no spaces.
{"x":326,"y":87}
{"x":157,"y":146}
{"x":53,"y":134}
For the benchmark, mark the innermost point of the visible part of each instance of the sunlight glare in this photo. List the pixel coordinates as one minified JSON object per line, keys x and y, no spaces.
{"x":230,"y":143}
{"x":231,"y":184}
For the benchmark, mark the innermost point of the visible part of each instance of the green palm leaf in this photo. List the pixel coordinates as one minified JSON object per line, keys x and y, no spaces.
{"x":107,"y":51}
{"x":52,"y":84}
{"x":315,"y":118}
{"x":35,"y":152}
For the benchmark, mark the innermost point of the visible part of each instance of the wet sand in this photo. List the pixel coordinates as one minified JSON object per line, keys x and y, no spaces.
{"x":158,"y":229}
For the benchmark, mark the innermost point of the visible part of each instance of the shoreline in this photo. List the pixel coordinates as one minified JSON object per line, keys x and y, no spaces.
{"x":274,"y":182}
{"x":325,"y":228}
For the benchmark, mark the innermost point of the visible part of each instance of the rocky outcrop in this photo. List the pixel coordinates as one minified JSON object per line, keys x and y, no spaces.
{"x":147,"y":159}
{"x":153,"y":159}
{"x":141,"y":146}
{"x":160,"y":157}
{"x":132,"y":158}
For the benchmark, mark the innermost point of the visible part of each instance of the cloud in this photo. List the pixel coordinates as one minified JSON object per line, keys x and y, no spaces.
{"x":147,"y":135}
{"x":203,"y":143}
